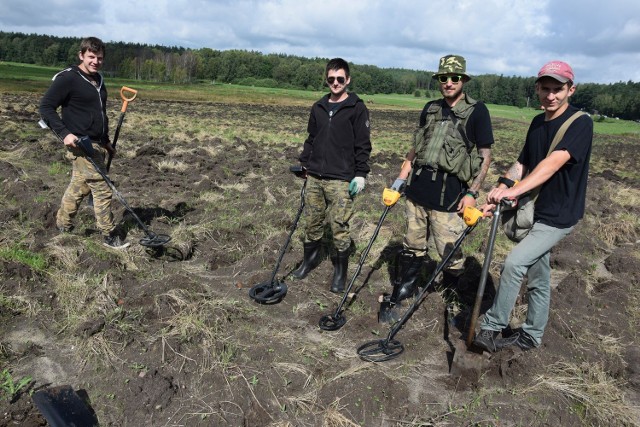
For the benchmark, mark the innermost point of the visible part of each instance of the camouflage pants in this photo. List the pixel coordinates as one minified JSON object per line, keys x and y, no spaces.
{"x":443,"y":227}
{"x":84,"y":180}
{"x":328,"y":199}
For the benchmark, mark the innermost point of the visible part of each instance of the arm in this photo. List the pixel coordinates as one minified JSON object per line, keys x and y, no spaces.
{"x":308,"y":143}
{"x":362,"y":147}
{"x":538,"y":176}
{"x":49,"y":104}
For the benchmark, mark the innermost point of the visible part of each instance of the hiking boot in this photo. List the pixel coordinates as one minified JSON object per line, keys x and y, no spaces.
{"x":115,"y":242}
{"x":489,"y":341}
{"x":525,"y":341}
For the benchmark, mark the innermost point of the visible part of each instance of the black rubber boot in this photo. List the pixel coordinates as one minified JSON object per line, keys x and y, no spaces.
{"x":340,"y":272}
{"x":312,"y":257}
{"x":408,"y":269}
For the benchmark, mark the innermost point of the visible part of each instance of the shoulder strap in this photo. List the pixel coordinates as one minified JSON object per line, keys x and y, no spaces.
{"x":563,"y":130}
{"x":556,"y":140}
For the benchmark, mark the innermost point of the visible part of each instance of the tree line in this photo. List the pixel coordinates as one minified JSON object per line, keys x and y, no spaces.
{"x":183,"y":66}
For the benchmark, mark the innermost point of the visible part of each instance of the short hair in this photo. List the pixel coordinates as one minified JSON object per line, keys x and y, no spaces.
{"x":337,"y":64}
{"x":92,"y":44}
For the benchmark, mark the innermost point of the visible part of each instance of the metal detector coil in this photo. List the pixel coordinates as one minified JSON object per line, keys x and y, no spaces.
{"x":273,"y":291}
{"x":380,"y":350}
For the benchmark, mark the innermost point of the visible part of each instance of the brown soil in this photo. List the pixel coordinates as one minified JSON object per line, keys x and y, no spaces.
{"x":177,"y":340}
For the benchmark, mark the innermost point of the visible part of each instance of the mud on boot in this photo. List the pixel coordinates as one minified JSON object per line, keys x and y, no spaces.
{"x":312,"y":257}
{"x":340,"y":269}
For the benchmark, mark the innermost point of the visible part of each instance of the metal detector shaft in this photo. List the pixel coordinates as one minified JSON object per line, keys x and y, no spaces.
{"x":106,"y":179}
{"x":485,"y":273}
{"x":293,"y":229}
{"x":422,"y":295}
{"x":363,"y":257}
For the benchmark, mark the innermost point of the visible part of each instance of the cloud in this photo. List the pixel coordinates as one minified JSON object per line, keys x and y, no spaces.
{"x":510,"y":37}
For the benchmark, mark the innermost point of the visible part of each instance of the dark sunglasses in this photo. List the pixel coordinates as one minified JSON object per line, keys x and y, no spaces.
{"x":340,"y":79}
{"x":454,"y":79}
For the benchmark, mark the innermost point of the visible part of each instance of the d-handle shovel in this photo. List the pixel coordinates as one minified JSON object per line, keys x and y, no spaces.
{"x":152,"y":240}
{"x":495,"y":224}
{"x":273,"y":291}
{"x":127,"y":94}
{"x":390,"y":348}
{"x":333,"y":322}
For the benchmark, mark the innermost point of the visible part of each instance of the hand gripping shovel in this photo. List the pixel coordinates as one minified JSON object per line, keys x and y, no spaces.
{"x":274,"y":290}
{"x":333,"y":322}
{"x":390,"y":348}
{"x":152,"y":240}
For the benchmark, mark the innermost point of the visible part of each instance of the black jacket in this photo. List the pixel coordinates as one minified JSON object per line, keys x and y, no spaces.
{"x":83,"y":105}
{"x":338,"y":145}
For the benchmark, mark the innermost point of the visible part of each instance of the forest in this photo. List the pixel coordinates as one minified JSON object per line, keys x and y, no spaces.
{"x":173,"y":64}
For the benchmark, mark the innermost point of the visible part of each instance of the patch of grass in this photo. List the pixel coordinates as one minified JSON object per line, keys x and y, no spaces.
{"x":58,"y":168}
{"x":588,"y":385}
{"x":24,"y":256}
{"x":11,"y":387}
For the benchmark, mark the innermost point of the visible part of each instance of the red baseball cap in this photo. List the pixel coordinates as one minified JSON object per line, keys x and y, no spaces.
{"x":561,"y":71}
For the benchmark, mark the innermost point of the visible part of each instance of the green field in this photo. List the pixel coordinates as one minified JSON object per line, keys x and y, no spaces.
{"x":15,"y":77}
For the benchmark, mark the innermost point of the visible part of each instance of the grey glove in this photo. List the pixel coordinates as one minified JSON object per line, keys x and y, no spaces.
{"x":398,"y":184}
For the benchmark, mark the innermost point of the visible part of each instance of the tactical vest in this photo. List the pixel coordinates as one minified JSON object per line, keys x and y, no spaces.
{"x":442,"y":143}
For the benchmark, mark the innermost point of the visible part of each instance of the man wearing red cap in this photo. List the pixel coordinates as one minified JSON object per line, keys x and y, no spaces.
{"x":560,"y":178}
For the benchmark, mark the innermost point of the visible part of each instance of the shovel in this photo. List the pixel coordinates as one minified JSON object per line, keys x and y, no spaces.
{"x":470,"y":358}
{"x":127,"y":94}
{"x":333,"y":322}
{"x":62,"y":407}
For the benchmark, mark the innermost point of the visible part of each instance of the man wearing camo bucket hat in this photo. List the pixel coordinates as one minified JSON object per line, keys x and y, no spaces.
{"x":440,"y":184}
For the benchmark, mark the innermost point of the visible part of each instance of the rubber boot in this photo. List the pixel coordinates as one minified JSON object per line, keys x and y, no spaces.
{"x":311,"y":259}
{"x":340,"y":272}
{"x":410,"y":267}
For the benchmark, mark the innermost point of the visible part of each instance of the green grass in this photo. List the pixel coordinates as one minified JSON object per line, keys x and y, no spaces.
{"x":17,"y":77}
{"x":24,"y":256}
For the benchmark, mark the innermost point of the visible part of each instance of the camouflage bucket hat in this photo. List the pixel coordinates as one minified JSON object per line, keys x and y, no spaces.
{"x":452,"y":64}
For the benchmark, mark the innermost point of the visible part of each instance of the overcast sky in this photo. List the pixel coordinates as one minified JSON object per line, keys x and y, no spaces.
{"x":600,"y":39}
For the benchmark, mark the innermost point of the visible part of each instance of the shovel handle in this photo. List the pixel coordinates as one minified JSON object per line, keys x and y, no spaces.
{"x":124,"y":91}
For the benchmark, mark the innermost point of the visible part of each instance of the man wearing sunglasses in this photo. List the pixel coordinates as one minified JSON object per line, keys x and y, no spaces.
{"x":335,"y":158}
{"x":445,"y":169}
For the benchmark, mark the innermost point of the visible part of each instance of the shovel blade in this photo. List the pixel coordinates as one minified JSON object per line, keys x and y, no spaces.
{"x":467,"y":362}
{"x":62,"y":407}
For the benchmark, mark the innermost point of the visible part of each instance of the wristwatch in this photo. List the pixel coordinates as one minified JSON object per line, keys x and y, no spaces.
{"x":473,"y":194}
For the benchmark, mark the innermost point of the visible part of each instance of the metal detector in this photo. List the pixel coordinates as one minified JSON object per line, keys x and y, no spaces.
{"x":152,"y":240}
{"x":333,"y":322}
{"x":273,"y":291}
{"x":390,"y":348}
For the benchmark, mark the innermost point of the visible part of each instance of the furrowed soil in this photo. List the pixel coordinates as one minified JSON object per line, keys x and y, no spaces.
{"x":170,"y":337}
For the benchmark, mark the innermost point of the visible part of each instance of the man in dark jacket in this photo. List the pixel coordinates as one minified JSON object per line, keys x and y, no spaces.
{"x":81,"y":93}
{"x":336,"y":159}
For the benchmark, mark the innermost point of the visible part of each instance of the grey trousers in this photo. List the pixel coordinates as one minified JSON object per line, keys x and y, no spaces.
{"x":530,"y":257}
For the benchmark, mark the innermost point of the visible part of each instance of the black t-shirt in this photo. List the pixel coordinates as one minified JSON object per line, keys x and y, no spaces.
{"x":426,"y":192}
{"x":561,"y":200}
